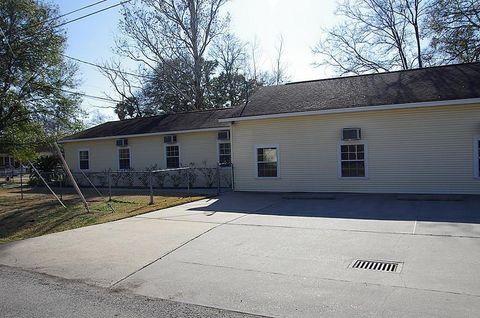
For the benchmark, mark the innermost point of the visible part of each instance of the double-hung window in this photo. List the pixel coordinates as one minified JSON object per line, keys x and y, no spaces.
{"x":353,"y":161}
{"x":172,"y":155}
{"x":267,"y":161}
{"x":124,"y":158}
{"x":224,"y":153}
{"x":84,"y":157}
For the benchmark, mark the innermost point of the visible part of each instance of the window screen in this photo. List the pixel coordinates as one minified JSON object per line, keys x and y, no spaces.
{"x":224,"y":153}
{"x":172,"y":154}
{"x":124,"y":158}
{"x":352,"y":160}
{"x":267,"y":162}
{"x":84,"y":160}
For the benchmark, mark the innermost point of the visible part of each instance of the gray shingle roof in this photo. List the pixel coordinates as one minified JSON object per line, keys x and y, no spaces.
{"x":156,"y":124}
{"x":421,"y":85}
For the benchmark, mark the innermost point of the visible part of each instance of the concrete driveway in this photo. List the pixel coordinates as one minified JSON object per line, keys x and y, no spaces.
{"x":281,"y":255}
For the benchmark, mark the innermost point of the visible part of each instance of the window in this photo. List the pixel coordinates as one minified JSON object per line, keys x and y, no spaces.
{"x":124,"y":158}
{"x":224,"y":153}
{"x":172,"y":154}
{"x":84,"y":162}
{"x":267,"y":162}
{"x":352,"y":161}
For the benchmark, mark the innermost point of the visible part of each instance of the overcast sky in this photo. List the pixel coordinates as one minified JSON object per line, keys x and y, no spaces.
{"x":298,"y":21}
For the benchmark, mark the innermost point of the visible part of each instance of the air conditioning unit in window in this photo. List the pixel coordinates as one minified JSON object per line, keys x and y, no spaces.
{"x":224,"y":135}
{"x":170,"y":139}
{"x":122,"y":142}
{"x":351,"y":134}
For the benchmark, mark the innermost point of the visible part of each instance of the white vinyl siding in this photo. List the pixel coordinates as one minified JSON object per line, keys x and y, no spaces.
{"x":423,"y":150}
{"x":198,"y":148}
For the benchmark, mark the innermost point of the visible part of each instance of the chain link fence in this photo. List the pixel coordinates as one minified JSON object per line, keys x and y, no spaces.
{"x":178,"y":178}
{"x":189,"y":180}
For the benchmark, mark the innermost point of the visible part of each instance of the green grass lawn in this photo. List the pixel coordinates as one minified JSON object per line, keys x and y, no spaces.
{"x":39,"y":213}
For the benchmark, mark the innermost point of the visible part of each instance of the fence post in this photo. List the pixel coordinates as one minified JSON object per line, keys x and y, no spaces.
{"x":188,"y":179}
{"x":150,"y":180}
{"x":109,"y":176}
{"x":218,"y":178}
{"x":21,"y":180}
{"x":61,"y":185}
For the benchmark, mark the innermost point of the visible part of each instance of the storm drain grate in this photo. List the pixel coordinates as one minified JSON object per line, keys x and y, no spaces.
{"x":382,"y":266}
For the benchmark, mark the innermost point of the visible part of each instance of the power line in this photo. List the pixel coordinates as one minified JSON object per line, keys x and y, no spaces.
{"x":68,"y":13}
{"x":70,"y":21}
{"x":86,"y":95}
{"x":105,"y":68}
{"x":90,"y":14}
{"x":80,"y":94}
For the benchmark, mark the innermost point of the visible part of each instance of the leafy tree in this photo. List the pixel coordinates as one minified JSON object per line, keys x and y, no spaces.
{"x":455,"y":26}
{"x":168,"y":89}
{"x":34,"y":76}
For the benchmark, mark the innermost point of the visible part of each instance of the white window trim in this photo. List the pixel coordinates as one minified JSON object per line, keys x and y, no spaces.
{"x":129,"y":157}
{"x":277,"y":146}
{"x":179,"y":154}
{"x":218,"y":149}
{"x":476,"y":167}
{"x":89,"y":166}
{"x":339,"y":158}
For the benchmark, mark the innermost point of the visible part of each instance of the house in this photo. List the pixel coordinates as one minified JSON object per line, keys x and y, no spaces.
{"x":169,"y":141}
{"x":415,"y":131}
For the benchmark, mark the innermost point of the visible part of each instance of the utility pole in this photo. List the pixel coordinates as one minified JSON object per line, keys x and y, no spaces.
{"x":70,"y":175}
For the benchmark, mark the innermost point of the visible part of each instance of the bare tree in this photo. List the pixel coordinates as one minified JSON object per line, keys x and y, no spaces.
{"x":455,"y":26}
{"x":126,"y":89}
{"x":254,"y":49}
{"x":164,"y":32}
{"x":279,"y":73}
{"x":375,"y":36}
{"x":230,"y":54}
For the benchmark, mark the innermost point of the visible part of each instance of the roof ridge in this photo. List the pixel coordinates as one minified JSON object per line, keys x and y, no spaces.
{"x":381,"y":73}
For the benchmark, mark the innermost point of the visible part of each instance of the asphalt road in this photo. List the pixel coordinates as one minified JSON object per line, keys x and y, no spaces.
{"x":27,"y":294}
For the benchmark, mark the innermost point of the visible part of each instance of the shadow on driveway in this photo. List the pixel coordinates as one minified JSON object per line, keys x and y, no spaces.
{"x":428,"y":208}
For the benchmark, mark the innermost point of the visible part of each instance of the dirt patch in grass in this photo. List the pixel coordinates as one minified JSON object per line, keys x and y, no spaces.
{"x":39,"y":213}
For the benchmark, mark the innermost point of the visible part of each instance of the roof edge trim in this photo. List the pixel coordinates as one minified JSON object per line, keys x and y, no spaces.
{"x":452,"y":102}
{"x":144,"y":135}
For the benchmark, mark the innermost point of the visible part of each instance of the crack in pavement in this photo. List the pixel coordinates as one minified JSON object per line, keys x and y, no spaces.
{"x":170,"y":252}
{"x":185,"y":243}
